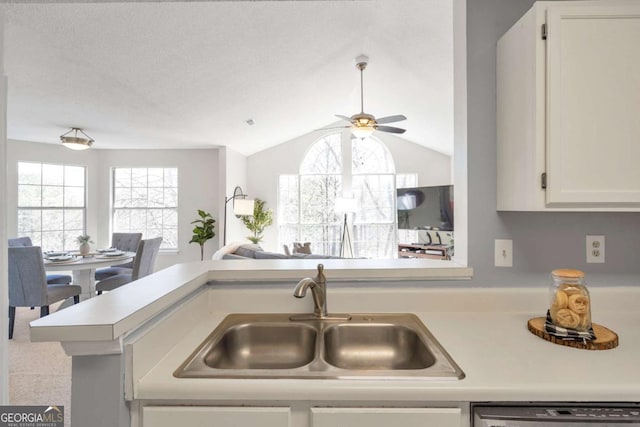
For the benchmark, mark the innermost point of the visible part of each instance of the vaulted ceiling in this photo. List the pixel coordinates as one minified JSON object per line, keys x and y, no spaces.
{"x":164,"y":74}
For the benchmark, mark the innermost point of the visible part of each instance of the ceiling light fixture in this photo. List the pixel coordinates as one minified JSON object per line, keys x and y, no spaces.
{"x":74,"y":141}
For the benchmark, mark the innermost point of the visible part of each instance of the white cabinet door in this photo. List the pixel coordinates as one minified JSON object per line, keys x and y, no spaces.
{"x":593,"y":104}
{"x":386,"y":417}
{"x":567,"y":107}
{"x":204,"y":416}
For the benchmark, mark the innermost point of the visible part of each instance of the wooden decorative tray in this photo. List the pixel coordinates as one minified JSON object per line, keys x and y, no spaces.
{"x":606,"y":339}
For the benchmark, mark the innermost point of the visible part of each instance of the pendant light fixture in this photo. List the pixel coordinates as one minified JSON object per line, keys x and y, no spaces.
{"x":73,"y":141}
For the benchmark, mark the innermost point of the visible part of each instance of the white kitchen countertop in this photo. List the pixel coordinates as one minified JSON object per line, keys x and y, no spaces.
{"x":112,"y":315}
{"x":484,"y":330}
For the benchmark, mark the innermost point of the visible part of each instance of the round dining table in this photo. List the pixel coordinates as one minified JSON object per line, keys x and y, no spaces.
{"x":83,"y":268}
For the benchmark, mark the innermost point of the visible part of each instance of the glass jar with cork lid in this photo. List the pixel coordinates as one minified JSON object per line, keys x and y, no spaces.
{"x":570,"y":305}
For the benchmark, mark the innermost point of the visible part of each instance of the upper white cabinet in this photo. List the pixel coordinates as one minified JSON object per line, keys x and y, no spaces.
{"x":568,"y":108}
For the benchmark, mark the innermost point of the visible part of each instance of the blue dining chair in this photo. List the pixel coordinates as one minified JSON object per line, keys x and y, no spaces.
{"x":28,"y":283}
{"x":142,"y":266}
{"x":52,"y":279}
{"x":127,"y":242}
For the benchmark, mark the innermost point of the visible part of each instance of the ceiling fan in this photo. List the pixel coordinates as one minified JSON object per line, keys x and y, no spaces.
{"x":363,"y":124}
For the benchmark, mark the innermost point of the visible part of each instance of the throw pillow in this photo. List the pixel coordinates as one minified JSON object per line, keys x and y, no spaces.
{"x":301,"y":248}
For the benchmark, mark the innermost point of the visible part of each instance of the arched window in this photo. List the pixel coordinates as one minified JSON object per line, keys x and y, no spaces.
{"x":335,"y":168}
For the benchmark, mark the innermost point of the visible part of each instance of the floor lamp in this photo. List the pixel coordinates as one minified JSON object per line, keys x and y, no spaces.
{"x":241,"y":206}
{"x":345,"y":206}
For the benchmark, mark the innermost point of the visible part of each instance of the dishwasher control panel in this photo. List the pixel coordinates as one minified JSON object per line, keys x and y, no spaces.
{"x":511,"y":416}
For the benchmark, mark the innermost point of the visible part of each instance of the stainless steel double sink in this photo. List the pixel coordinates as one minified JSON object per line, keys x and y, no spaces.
{"x":366,"y":346}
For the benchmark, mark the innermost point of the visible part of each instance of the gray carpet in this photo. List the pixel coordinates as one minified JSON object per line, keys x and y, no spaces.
{"x":39,"y":373}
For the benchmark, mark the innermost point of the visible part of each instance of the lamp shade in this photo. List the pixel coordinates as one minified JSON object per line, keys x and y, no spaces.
{"x":243,"y":206}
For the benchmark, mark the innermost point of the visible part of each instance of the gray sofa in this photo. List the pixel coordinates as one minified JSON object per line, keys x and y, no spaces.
{"x":250,"y":251}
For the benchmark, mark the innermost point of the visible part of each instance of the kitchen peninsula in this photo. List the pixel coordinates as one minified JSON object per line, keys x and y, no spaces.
{"x":132,"y":340}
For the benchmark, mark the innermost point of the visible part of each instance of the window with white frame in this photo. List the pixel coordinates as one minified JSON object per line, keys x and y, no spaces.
{"x":338,"y":166}
{"x":145,"y":200}
{"x":51,"y":204}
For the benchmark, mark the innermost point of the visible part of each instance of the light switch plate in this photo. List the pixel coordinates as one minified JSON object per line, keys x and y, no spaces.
{"x":503,"y":253}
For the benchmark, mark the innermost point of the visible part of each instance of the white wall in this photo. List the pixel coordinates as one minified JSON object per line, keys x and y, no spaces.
{"x":4,"y":303}
{"x":197,"y":188}
{"x":433,"y":168}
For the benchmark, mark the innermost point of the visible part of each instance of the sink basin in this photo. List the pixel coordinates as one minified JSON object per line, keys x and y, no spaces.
{"x":271,"y":345}
{"x":263,"y":346}
{"x":375,"y":346}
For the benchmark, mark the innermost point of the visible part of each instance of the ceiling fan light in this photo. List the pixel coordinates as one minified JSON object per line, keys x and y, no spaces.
{"x":362,"y":131}
{"x":76,"y":142}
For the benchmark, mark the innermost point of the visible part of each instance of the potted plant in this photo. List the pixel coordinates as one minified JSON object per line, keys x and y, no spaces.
{"x":203,"y":231}
{"x":83,"y":240}
{"x":260,"y":219}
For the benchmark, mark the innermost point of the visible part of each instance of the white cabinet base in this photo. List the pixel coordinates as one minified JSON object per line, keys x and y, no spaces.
{"x":385,"y":417}
{"x":213,"y":416}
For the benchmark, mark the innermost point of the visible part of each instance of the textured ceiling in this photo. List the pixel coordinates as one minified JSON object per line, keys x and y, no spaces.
{"x":190,"y":74}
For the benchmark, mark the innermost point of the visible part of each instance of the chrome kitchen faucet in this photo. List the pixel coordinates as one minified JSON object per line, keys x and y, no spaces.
{"x":318,"y":286}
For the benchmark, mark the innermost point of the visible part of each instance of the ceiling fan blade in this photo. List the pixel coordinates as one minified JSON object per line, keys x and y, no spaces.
{"x":335,"y":127}
{"x":391,"y":119}
{"x":345,"y":118}
{"x":390,"y":129}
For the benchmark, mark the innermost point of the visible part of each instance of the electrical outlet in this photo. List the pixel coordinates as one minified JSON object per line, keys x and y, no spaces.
{"x":503,"y":253}
{"x":595,"y":249}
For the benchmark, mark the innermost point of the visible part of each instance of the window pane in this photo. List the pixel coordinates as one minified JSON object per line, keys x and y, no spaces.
{"x":145,"y":200}
{"x":139,"y":197}
{"x":52,"y":219}
{"x":170,"y":218}
{"x":122,"y":197}
{"x":74,"y":220}
{"x":52,"y":196}
{"x":139,"y":177}
{"x":138,"y":220}
{"x":74,"y":197}
{"x":375,"y":195}
{"x":74,"y":176}
{"x":170,"y":238}
{"x":29,"y":221}
{"x":53,"y":241}
{"x":52,"y":174}
{"x":374,"y":240}
{"x":318,"y":194}
{"x":325,"y":156}
{"x":44,"y":193}
{"x":170,"y":197}
{"x":29,"y":196}
{"x":156,"y":197}
{"x":288,"y":199}
{"x":29,"y":173}
{"x":370,"y":156}
{"x":122,"y":220}
{"x":155,"y":177}
{"x":171,"y":177}
{"x":122,"y":177}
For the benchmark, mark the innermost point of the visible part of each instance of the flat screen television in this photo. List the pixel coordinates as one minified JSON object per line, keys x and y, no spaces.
{"x":425,"y":208}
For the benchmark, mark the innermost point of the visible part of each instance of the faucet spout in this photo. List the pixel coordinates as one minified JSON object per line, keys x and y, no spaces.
{"x":300,"y":290}
{"x":318,"y":286}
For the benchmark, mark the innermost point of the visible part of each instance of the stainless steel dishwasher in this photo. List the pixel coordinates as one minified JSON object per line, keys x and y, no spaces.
{"x":556,"y":415}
